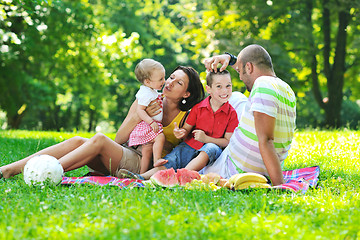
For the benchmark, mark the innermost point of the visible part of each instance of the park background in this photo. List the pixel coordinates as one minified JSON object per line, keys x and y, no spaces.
{"x":69,"y":65}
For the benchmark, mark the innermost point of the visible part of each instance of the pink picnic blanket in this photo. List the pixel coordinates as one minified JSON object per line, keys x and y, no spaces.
{"x":102,"y":181}
{"x":295,"y":180}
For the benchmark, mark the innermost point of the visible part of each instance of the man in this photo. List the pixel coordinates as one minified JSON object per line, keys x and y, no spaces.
{"x":262,"y":140}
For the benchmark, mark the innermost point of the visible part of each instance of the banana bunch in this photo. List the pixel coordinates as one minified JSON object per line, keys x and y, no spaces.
{"x":247,"y":180}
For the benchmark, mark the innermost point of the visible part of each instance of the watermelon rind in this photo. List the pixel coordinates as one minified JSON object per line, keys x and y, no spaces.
{"x":165,"y":178}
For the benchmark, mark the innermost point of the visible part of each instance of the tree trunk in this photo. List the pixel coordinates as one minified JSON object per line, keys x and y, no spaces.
{"x":335,"y":80}
{"x":14,"y":120}
{"x":312,"y":55}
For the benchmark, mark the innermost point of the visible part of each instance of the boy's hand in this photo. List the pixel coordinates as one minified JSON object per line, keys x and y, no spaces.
{"x":199,"y":135}
{"x":154,"y":126}
{"x":179,"y":132}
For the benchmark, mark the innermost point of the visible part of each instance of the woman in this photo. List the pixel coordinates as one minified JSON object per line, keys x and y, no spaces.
{"x":182,"y":91}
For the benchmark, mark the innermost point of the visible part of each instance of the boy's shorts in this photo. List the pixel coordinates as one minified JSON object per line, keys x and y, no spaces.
{"x":182,"y":154}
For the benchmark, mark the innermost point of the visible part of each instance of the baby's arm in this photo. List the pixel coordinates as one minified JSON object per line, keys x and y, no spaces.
{"x":181,"y":133}
{"x":200,"y":136}
{"x":145,"y":117}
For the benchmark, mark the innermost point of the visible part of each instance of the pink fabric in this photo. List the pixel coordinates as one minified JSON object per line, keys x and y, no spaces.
{"x":143,"y":133}
{"x":102,"y":181}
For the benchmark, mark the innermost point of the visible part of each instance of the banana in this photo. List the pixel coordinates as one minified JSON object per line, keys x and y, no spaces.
{"x":233,"y":179}
{"x":248,"y":177}
{"x":252,"y":185}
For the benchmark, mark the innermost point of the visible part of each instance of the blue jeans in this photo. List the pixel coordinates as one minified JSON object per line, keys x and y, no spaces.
{"x":182,"y":154}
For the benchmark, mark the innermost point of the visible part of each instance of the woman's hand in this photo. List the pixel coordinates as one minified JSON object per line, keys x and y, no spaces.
{"x":154,"y":108}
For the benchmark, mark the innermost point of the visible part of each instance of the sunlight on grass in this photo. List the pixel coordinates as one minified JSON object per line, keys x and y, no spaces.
{"x":92,"y":212}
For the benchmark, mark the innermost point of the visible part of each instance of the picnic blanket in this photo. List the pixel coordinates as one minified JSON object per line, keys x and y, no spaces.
{"x":295,"y":180}
{"x":300,"y":179}
{"x":103,"y":181}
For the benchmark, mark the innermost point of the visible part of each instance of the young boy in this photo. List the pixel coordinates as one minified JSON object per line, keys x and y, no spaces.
{"x":207,"y":130}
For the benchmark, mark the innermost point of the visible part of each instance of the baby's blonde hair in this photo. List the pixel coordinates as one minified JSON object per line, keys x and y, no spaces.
{"x":145,"y":67}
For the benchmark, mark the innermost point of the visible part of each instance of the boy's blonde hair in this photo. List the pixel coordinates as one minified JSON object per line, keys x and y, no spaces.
{"x":210,"y":76}
{"x":145,"y":67}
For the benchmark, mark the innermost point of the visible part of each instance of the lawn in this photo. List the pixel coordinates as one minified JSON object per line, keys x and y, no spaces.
{"x":91,"y":212}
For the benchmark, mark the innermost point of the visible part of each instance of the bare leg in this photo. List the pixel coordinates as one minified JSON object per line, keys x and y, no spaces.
{"x":157,"y":149}
{"x":151,"y":172}
{"x":98,"y":149}
{"x":199,"y":162}
{"x":146,"y":150}
{"x":58,"y":150}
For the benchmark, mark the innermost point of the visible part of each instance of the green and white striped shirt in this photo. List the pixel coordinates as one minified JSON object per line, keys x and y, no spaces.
{"x":274,"y":97}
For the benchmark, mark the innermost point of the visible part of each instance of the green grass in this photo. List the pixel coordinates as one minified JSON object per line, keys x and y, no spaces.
{"x":93,"y":212}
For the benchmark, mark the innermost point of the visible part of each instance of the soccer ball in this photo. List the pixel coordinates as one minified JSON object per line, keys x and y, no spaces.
{"x":43,"y":169}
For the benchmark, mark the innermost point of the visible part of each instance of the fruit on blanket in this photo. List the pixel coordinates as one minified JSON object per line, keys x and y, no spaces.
{"x":200,"y":185}
{"x":165,"y":178}
{"x":222,"y":182}
{"x":240,"y":178}
{"x":252,"y":185}
{"x":186,"y":176}
{"x":43,"y":169}
{"x":211,"y":177}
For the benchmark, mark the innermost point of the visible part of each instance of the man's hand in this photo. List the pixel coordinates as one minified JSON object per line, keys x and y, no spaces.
{"x":212,"y":63}
{"x":179,"y":132}
{"x":199,"y":135}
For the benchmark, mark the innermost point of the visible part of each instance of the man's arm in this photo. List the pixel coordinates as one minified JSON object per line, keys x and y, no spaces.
{"x":265,"y":127}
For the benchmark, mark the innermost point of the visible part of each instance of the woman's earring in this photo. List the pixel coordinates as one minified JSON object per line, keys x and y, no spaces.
{"x":183,"y":101}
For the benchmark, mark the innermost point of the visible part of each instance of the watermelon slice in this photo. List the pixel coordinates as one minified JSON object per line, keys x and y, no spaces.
{"x":165,"y":178}
{"x":184,"y":176}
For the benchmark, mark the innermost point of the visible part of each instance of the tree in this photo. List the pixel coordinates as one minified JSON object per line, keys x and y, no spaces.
{"x":317,"y":35}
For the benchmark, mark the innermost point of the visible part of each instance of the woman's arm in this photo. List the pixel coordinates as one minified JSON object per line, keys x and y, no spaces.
{"x":132,"y":119}
{"x":129,"y":123}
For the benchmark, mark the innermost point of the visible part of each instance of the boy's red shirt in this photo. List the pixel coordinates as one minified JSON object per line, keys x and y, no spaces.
{"x":215,"y":125}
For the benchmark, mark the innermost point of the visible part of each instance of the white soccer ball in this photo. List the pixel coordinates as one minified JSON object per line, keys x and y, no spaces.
{"x":43,"y":169}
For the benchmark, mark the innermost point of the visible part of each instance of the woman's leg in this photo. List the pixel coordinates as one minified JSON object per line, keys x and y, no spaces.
{"x":97,"y":151}
{"x":58,"y":150}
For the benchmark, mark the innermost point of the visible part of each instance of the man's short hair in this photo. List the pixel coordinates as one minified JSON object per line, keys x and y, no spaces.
{"x":257,"y":55}
{"x":210,"y":76}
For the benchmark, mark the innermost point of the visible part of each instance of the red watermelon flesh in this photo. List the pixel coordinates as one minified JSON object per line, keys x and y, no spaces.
{"x":185,"y":175}
{"x":165,"y":178}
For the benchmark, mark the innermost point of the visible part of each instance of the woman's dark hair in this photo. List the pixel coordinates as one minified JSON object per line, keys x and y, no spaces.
{"x":195,"y":88}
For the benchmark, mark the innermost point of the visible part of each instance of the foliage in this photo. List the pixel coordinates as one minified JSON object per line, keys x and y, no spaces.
{"x":78,"y":212}
{"x":319,"y":37}
{"x":68,"y":65}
